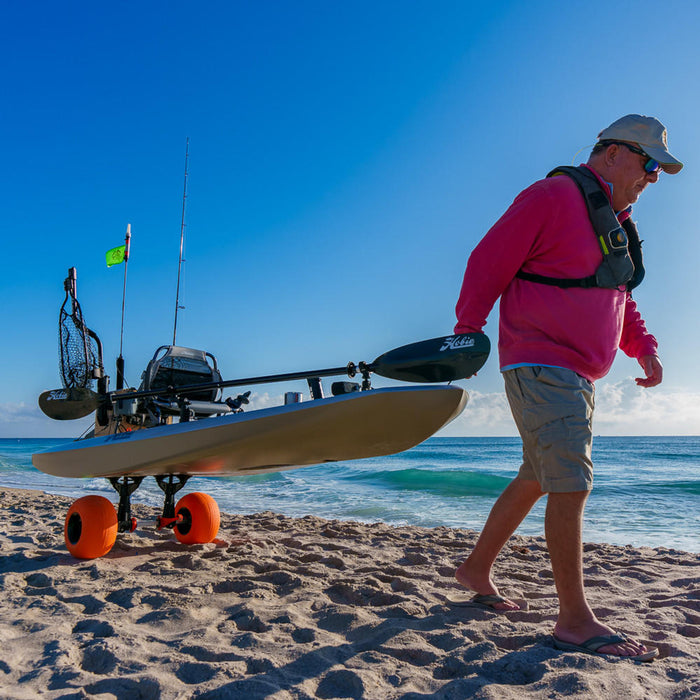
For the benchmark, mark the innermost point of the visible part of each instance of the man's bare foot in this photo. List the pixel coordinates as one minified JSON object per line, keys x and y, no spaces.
{"x":594,"y":628}
{"x":483,"y":586}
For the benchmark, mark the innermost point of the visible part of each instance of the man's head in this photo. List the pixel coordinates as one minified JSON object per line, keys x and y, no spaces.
{"x":630,"y":154}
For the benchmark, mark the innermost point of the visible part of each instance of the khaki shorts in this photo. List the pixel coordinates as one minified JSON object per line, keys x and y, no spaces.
{"x":553,"y":409}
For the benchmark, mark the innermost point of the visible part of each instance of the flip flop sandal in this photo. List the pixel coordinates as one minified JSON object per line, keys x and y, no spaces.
{"x":591,"y":646}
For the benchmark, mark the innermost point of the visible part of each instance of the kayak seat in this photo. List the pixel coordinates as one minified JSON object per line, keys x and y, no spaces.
{"x":175,"y":366}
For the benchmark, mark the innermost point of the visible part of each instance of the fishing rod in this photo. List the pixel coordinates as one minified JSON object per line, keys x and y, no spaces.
{"x":182,"y":240}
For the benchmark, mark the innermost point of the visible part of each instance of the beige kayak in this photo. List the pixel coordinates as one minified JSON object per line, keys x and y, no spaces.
{"x":353,"y":426}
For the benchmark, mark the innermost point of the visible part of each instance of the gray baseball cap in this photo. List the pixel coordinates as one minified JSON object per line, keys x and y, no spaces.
{"x":648,"y":133}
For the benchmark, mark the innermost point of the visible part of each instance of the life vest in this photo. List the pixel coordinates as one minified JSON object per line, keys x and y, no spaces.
{"x":622,"y":267}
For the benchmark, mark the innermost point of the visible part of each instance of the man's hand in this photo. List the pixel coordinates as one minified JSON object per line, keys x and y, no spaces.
{"x":653,"y":370}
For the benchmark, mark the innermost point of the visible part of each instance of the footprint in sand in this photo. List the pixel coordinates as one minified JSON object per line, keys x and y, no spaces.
{"x":412,"y":655}
{"x":282,"y":579}
{"x":97,"y":658}
{"x":125,"y":598}
{"x":333,"y":562}
{"x":235,"y":586}
{"x":39,"y":584}
{"x":257,"y":666}
{"x":446,"y":641}
{"x":341,"y":684}
{"x":91,"y":605}
{"x":452,"y":667}
{"x":125,"y":688}
{"x":247,"y":621}
{"x":338,"y":622}
{"x":195,"y":673}
{"x":97,"y":628}
{"x":303,"y":635}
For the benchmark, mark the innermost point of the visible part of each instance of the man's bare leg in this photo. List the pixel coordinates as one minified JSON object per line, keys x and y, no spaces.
{"x":563,"y":529}
{"x":507,"y":513}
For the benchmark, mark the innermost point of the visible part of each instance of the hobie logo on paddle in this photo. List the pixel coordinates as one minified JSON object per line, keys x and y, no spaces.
{"x":57,"y":395}
{"x":458,"y":342}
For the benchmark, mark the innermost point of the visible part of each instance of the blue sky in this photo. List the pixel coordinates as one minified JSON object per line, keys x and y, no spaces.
{"x":344,"y":160}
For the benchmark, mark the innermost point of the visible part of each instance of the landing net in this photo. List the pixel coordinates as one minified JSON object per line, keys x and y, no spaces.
{"x":78,"y":351}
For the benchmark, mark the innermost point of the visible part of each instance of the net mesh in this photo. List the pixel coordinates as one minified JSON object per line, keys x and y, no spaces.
{"x":77,"y":349}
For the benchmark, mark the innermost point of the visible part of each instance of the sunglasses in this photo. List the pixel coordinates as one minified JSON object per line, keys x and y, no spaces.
{"x":651,"y":166}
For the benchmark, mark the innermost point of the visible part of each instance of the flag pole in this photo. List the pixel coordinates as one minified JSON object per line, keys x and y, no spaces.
{"x":120,"y":359}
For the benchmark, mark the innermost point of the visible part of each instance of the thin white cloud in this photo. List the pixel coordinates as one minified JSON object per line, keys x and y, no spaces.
{"x":264,"y":400}
{"x":622,"y":408}
{"x":22,"y":420}
{"x":486,"y":415}
{"x":18,"y":412}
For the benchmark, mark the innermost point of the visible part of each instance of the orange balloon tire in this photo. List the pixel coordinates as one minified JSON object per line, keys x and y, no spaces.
{"x":91,"y":527}
{"x":200,"y":518}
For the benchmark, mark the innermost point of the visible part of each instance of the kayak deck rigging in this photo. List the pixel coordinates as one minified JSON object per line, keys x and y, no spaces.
{"x":177,"y":424}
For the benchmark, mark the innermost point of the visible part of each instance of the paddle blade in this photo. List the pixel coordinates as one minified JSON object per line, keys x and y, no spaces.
{"x":68,"y":404}
{"x":437,"y":360}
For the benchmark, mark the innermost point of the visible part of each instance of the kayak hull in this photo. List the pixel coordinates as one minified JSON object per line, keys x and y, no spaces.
{"x":353,"y":426}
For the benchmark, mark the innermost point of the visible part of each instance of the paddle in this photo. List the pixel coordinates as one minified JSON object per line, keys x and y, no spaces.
{"x":443,"y":359}
{"x":68,"y":404}
{"x":437,"y":360}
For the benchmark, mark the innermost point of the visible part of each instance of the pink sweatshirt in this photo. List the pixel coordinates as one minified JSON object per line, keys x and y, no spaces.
{"x":547,"y":231}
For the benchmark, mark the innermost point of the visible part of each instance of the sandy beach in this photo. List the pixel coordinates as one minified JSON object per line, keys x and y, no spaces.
{"x":309,"y":608}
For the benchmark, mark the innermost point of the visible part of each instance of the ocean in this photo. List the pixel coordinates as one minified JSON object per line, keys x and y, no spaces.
{"x":646,"y":490}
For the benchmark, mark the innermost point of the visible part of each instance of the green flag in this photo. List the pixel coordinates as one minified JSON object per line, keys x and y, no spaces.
{"x":116,"y":255}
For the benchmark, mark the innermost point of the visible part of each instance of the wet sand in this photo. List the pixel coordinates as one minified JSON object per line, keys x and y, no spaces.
{"x":284,"y":608}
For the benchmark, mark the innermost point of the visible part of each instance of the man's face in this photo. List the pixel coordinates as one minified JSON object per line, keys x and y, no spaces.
{"x":629,"y":177}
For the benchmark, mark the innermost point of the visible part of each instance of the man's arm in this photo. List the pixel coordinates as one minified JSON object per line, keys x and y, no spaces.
{"x":498,"y":256}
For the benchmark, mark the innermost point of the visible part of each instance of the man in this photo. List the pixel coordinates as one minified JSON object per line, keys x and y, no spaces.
{"x":564,"y":273}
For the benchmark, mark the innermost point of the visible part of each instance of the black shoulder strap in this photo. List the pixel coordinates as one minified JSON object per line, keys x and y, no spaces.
{"x":594,"y":200}
{"x":634,"y":246}
{"x":603,"y":219}
{"x":563,"y":282}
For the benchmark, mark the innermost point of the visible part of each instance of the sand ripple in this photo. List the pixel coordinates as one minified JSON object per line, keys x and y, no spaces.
{"x":286,"y":608}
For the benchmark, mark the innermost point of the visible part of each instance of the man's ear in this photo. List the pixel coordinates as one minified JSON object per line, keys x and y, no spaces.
{"x":611,"y":154}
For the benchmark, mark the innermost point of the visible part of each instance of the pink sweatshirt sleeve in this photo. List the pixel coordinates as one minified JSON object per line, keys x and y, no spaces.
{"x":636,"y":341}
{"x":500,"y":254}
